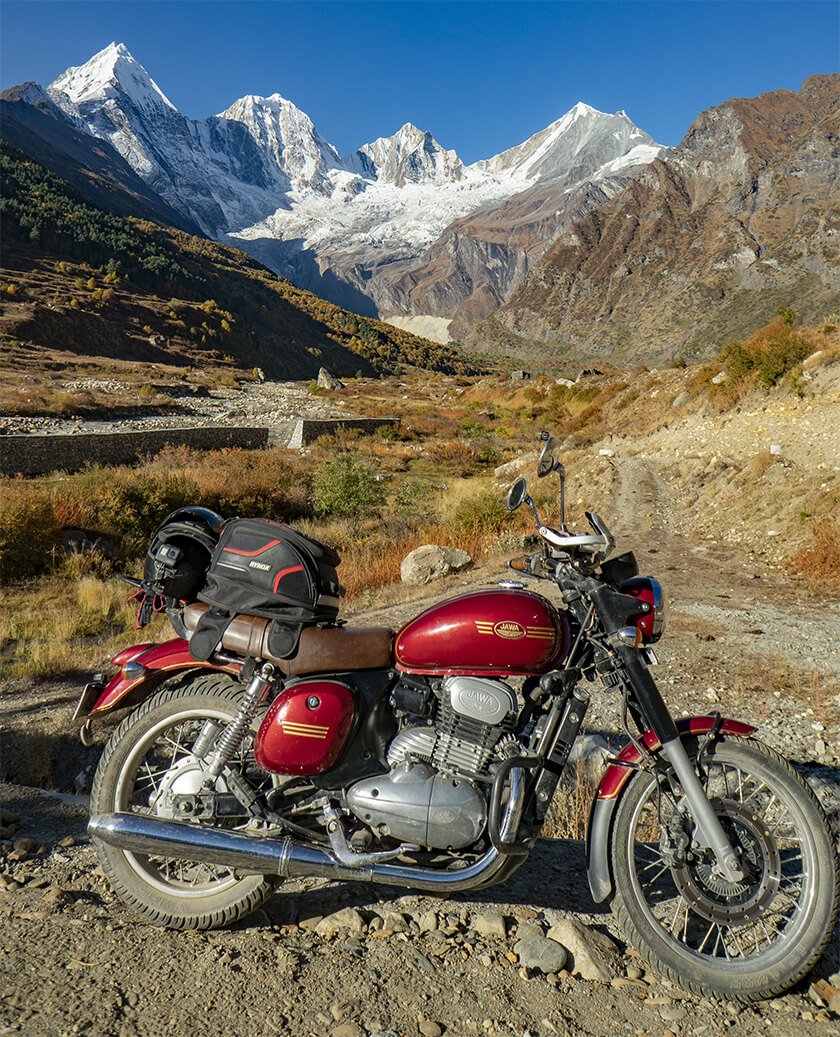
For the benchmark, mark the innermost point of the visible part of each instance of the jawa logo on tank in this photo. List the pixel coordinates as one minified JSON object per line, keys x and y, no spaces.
{"x":512,"y":631}
{"x":304,"y":730}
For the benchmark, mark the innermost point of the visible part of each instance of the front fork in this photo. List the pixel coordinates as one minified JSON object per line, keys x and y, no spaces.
{"x":710,"y":831}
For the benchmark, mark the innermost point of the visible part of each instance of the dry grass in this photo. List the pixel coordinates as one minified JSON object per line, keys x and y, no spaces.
{"x":819,"y":562}
{"x":568,"y":817}
{"x":56,"y":626}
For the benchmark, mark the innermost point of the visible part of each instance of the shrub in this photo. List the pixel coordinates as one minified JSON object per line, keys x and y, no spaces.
{"x":133,"y":504}
{"x":346,"y":487}
{"x":482,"y":511}
{"x":28,"y":532}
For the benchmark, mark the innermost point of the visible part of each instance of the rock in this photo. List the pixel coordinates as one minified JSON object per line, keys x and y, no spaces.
{"x":394,"y":921}
{"x":524,"y":465}
{"x":67,"y":841}
{"x":347,"y":1030}
{"x":490,"y":925}
{"x":520,"y":376}
{"x":634,"y":972}
{"x":327,"y":380}
{"x":528,"y":928}
{"x":672,"y":1013}
{"x":427,"y":922}
{"x":681,"y":400}
{"x":775,"y":449}
{"x":540,"y":953}
{"x":23,"y":845}
{"x":719,"y":378}
{"x":430,"y":562}
{"x":594,"y":955}
{"x":429,"y":1028}
{"x":606,"y":453}
{"x":567,"y":382}
{"x":347,"y":919}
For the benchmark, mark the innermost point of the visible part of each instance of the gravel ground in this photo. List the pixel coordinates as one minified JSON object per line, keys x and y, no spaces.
{"x":72,"y":960}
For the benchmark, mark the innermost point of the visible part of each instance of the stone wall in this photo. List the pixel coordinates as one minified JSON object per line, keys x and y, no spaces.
{"x":36,"y":454}
{"x":308,"y":430}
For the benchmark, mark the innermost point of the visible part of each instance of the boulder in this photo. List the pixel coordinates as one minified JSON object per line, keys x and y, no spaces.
{"x":520,"y":376}
{"x":540,"y":953}
{"x":594,"y":956}
{"x":525,"y":465}
{"x":430,"y":562}
{"x":327,"y":380}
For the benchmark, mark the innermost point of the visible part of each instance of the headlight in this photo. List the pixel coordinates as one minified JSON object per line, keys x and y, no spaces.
{"x":652,"y":624}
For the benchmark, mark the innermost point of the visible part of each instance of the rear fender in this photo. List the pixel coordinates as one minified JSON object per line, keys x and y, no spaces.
{"x":159,"y":662}
{"x":613,"y":783}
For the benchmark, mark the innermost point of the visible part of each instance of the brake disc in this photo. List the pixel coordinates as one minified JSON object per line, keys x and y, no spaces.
{"x":734,"y":903}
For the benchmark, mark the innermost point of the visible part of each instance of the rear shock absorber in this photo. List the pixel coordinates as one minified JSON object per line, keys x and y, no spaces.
{"x":233,"y":734}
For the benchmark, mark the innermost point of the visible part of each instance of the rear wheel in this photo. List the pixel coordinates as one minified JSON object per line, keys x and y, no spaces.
{"x":744,"y":940}
{"x":149,"y":760}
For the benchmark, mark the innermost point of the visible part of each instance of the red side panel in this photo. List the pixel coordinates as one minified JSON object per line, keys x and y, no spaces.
{"x":492,"y":632}
{"x":160,"y":662}
{"x":305,"y":728}
{"x":615,"y":776}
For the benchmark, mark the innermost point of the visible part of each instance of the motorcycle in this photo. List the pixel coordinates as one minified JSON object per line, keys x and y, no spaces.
{"x":412,"y":760}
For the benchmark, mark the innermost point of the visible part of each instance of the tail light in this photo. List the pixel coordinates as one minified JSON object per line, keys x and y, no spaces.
{"x":646,"y":588}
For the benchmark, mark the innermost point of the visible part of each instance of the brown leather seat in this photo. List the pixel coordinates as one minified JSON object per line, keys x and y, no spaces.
{"x":320,"y":650}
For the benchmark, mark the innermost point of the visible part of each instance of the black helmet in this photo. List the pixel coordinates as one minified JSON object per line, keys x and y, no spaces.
{"x":179,"y":553}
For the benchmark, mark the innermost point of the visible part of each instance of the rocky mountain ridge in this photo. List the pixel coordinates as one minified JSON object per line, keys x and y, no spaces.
{"x":259,"y":175}
{"x":739,"y":219}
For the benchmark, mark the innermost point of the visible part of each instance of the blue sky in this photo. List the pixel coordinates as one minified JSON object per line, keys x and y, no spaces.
{"x":481,"y":76}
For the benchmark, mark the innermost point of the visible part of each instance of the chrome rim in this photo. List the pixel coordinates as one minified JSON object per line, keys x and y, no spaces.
{"x":164,"y":751}
{"x":742,"y":926}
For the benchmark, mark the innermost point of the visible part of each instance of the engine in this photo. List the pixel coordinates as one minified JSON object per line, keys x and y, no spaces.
{"x":429,"y":796}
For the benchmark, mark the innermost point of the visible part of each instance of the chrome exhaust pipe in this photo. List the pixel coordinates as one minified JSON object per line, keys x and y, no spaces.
{"x":140,"y":833}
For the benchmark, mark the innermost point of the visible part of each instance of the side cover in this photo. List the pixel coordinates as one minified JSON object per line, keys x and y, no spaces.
{"x":305,"y":728}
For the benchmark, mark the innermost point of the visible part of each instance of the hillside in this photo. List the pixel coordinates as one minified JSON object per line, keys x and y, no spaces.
{"x":87,"y":282}
{"x":741,"y":218}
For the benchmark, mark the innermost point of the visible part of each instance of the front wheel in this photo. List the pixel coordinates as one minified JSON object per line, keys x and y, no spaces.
{"x":148,"y":762}
{"x":741,"y":941}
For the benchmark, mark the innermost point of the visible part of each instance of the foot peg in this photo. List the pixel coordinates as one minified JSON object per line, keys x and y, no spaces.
{"x":346,"y":855}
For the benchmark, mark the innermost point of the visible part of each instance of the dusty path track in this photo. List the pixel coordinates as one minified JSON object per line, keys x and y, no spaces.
{"x":72,"y":960}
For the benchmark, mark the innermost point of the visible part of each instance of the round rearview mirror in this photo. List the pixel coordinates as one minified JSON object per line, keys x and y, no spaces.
{"x":547,"y":462}
{"x":516,"y":494}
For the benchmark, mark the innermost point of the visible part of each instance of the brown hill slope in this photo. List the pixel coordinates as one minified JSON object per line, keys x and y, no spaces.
{"x":79,"y":280}
{"x":743,"y":217}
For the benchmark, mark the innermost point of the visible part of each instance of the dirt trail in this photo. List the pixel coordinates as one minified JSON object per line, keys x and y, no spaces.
{"x":72,"y":960}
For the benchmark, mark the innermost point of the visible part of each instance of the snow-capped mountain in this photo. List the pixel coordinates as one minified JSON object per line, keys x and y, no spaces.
{"x":261,"y":176}
{"x":408,"y":156}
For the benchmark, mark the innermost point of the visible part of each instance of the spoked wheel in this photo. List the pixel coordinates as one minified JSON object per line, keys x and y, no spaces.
{"x":149,"y":767}
{"x":738,"y":940}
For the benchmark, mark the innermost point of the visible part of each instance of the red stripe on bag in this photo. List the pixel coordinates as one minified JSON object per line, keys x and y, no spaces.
{"x":251,"y":554}
{"x":285,"y":572}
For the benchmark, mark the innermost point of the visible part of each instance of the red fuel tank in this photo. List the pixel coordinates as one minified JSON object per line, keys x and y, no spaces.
{"x":305,"y":728}
{"x":493,"y":632}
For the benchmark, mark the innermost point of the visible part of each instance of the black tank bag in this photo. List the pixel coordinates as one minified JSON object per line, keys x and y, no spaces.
{"x":268,"y":569}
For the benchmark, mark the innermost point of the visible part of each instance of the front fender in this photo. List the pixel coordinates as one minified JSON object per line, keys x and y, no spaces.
{"x":612,"y":785}
{"x":159,"y":662}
